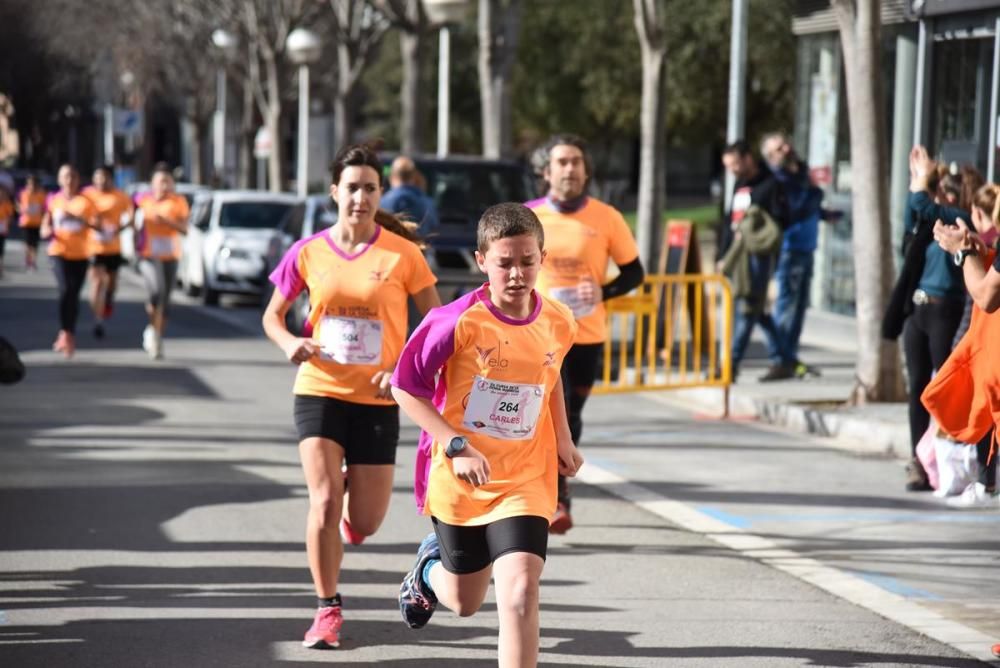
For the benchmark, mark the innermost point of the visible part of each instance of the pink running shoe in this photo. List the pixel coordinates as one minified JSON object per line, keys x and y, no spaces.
{"x":348,"y":534}
{"x":561,"y":521}
{"x":325,"y":630}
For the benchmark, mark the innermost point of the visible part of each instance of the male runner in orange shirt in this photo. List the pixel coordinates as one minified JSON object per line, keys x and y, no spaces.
{"x":581,"y":234}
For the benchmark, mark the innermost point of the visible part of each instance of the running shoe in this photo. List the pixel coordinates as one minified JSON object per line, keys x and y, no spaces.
{"x":157,"y":350}
{"x":98,"y":331}
{"x":974,"y":496}
{"x":65,"y":344}
{"x":348,"y":534}
{"x":777,"y":372}
{"x":916,"y":478}
{"x":325,"y":630}
{"x":416,"y":601}
{"x":561,"y":521}
{"x":148,"y":335}
{"x":995,"y":649}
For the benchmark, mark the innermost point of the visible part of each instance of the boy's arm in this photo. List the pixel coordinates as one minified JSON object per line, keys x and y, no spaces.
{"x":469,"y":465}
{"x":570,"y":459}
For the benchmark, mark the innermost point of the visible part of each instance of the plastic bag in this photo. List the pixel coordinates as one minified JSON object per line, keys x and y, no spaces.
{"x":926,"y":454}
{"x":956,"y":464}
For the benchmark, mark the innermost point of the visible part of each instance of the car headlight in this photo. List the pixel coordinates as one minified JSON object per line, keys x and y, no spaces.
{"x":234,"y":253}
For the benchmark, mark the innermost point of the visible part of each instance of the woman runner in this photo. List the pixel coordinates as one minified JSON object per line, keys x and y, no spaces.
{"x":358,"y":274}
{"x":67,"y":224}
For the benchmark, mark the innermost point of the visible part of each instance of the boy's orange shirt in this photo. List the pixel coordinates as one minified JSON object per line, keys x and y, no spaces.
{"x":162,"y":242}
{"x":578,"y":245}
{"x":71,"y":218}
{"x":358,"y":309}
{"x":111,"y":206}
{"x":491,"y":377}
{"x":32,"y":206}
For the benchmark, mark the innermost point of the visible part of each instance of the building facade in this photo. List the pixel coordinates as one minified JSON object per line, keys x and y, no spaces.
{"x":941,"y":63}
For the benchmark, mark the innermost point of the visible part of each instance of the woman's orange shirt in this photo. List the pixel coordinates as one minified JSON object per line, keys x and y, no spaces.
{"x":71,"y":220}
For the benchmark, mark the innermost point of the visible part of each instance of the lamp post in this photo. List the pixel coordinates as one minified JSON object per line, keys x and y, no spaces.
{"x":226,"y":44}
{"x":443,"y":13}
{"x":303,"y":48}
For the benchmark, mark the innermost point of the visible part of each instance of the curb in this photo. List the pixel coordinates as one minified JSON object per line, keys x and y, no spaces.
{"x":840,"y":430}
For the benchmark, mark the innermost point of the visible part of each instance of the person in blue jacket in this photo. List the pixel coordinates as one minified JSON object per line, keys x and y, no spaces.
{"x":795,"y":264}
{"x":407,"y":200}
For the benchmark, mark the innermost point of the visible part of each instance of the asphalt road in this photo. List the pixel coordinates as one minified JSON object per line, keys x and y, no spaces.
{"x":152,"y":514}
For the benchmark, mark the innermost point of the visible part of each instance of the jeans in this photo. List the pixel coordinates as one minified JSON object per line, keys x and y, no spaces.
{"x":784,"y":324}
{"x":749,"y":311}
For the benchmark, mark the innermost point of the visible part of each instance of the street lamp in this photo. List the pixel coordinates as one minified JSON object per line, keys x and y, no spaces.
{"x":303,"y":48}
{"x":226,"y":44}
{"x":443,"y":13}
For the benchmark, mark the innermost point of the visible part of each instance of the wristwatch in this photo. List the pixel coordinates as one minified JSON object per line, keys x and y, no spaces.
{"x":456,"y":445}
{"x":963,"y":253}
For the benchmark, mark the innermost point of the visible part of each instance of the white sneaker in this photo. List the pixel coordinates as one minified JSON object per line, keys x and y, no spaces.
{"x":148,"y":335}
{"x":974,"y":496}
{"x":156,"y":349}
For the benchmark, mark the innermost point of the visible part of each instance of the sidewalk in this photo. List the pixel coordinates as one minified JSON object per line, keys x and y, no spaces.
{"x":815,"y":406}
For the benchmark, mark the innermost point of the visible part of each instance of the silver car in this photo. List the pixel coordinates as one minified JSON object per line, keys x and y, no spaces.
{"x":228,"y":237}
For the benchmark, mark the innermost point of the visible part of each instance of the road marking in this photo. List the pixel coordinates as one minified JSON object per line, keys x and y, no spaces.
{"x":862,"y":591}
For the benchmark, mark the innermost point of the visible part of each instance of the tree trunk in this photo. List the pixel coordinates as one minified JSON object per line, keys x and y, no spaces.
{"x":879,"y":377}
{"x":247,"y":132}
{"x":499,"y":28}
{"x":343,"y":128}
{"x":411,"y":116}
{"x":275,"y":163}
{"x":197,"y":150}
{"x":649,"y":19}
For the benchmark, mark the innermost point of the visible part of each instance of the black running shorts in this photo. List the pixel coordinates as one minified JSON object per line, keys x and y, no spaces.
{"x":471,"y":549}
{"x":32,"y":236}
{"x":368,"y":434}
{"x":109,"y":262}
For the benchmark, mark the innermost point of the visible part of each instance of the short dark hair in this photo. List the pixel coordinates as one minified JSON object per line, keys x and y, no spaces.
{"x":740,"y":147}
{"x":357,"y":155}
{"x":566,"y":139}
{"x":163,"y":168}
{"x":107,"y":169}
{"x":510,"y":219}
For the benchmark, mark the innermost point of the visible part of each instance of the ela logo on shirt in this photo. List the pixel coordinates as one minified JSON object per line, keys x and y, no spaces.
{"x":378,"y":275}
{"x":494,"y":362}
{"x":550,"y":359}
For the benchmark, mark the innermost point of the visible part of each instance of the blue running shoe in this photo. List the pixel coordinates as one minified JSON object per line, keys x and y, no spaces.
{"x":416,"y":601}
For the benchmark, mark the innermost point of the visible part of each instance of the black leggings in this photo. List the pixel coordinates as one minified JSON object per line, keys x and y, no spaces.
{"x":70,"y":275}
{"x":579,"y":370}
{"x":927,"y":337}
{"x":987,"y":467}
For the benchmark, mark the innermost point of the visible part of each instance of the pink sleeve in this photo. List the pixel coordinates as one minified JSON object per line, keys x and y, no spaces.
{"x":428,"y":349}
{"x":286,"y":276}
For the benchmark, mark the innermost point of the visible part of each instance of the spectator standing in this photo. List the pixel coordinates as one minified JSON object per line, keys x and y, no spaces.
{"x":798,"y":246}
{"x":756,"y":190}
{"x":929,"y":292}
{"x":407,"y":199}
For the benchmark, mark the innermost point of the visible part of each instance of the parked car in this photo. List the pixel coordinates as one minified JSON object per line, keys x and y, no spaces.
{"x":305,"y":219}
{"x":136,"y":191}
{"x":228,"y":238}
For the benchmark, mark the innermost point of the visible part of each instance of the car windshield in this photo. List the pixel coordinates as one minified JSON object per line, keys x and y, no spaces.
{"x":253,"y":215}
{"x":463,"y":191}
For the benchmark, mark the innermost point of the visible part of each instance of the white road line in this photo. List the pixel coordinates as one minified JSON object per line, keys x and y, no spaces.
{"x":849,"y":587}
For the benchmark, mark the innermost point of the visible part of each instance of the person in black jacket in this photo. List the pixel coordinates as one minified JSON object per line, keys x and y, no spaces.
{"x":755,"y":185}
{"x":935,"y":301}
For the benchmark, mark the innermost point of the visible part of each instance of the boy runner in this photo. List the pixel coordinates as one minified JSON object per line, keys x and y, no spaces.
{"x":495,"y":435}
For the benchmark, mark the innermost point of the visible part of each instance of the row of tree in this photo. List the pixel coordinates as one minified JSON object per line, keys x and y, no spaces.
{"x":543,"y":66}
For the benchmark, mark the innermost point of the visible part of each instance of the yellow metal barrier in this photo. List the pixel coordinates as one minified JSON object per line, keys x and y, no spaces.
{"x":673,"y":332}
